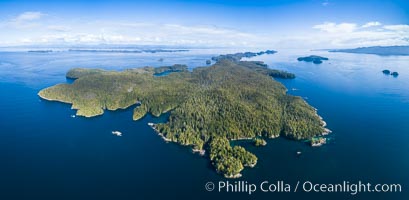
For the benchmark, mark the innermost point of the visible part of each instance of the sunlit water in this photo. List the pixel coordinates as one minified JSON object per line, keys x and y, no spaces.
{"x":47,"y":154}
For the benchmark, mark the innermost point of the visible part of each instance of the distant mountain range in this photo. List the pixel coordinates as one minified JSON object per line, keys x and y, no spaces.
{"x":378,"y":50}
{"x":129,"y":51}
{"x":114,"y":50}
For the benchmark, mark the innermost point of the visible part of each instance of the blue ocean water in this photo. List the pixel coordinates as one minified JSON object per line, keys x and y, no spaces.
{"x":47,"y":154}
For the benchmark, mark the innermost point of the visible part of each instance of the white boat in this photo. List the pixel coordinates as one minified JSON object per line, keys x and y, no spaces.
{"x":117,"y":133}
{"x":72,"y":116}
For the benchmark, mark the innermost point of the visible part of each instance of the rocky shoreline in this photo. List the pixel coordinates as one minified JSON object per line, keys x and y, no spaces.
{"x":320,"y":140}
{"x":233,"y":176}
{"x":152,"y":125}
{"x":201,"y":152}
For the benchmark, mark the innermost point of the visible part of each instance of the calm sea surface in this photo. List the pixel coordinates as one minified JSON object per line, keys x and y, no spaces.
{"x":46,"y":154}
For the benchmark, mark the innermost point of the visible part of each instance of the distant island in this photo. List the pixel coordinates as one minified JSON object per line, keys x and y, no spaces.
{"x":239,"y":56}
{"x":208,"y":107}
{"x":40,"y":51}
{"x":395,"y":74}
{"x":378,"y":50}
{"x":388,"y":72}
{"x":258,"y":66}
{"x":313,"y":58}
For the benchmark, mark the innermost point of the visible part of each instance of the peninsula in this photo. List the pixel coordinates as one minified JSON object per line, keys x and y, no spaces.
{"x":208,"y":107}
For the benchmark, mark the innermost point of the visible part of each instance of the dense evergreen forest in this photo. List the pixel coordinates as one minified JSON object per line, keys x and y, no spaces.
{"x":208,"y":107}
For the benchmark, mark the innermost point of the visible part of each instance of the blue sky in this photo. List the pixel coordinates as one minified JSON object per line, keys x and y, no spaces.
{"x":285,"y":24}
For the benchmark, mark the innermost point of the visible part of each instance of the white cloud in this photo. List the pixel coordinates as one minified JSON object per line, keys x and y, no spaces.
{"x":398,"y":28}
{"x":29,"y":16}
{"x":371,"y":24}
{"x":23,"y":20}
{"x":58,"y":28}
{"x":325,"y":3}
{"x":332,"y":35}
{"x":141,"y":33}
{"x":35,"y":29}
{"x":336,"y":28}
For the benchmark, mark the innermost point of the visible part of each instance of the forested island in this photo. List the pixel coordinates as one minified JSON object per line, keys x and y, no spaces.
{"x":378,"y":50}
{"x":208,"y":107}
{"x":314,"y":59}
{"x":388,"y":72}
{"x":259,"y":142}
{"x":239,"y":56}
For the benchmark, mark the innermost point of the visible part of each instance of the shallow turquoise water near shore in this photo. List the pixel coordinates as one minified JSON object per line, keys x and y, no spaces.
{"x":46,"y":154}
